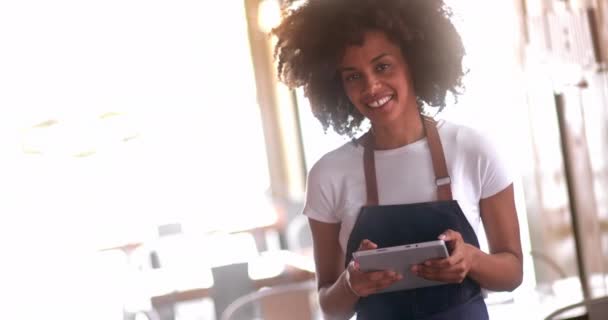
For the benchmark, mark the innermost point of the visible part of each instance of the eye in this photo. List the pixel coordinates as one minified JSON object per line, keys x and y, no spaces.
{"x":382,"y":66}
{"x":352,"y":77}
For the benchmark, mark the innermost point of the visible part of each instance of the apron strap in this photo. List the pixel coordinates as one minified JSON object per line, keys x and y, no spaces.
{"x":370,"y":173}
{"x":442,"y":178}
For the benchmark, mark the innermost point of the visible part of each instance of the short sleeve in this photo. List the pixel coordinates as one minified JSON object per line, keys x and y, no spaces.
{"x":495,"y":172}
{"x":319,"y":204}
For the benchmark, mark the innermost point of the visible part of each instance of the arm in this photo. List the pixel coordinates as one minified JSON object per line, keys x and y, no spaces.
{"x":335,"y":299}
{"x":340,"y":288}
{"x":501,"y":270}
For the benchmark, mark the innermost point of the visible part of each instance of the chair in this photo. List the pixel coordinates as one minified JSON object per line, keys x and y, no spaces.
{"x":596,"y":309}
{"x":229,"y":283}
{"x":295,"y":301}
{"x":298,"y":234}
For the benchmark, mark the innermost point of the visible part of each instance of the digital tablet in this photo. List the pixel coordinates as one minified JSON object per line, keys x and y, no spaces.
{"x":400,"y":259}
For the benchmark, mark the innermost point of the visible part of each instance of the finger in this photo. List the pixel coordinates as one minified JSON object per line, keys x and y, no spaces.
{"x":353,"y":273}
{"x":456,"y":257}
{"x":451,"y":238}
{"x":449,"y":274}
{"x":429,"y":273}
{"x":433,"y":264}
{"x":436,"y":263}
{"x":367,"y":282}
{"x":450,"y":235}
{"x":442,"y":265}
{"x":453,"y":273}
{"x":380,"y":275}
{"x":385,"y":283}
{"x":367,"y":245}
{"x":423,"y":270}
{"x":353,"y":266}
{"x":457,"y":250}
{"x":375,"y":286}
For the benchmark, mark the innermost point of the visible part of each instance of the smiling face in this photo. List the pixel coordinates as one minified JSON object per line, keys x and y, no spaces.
{"x":376,"y":79}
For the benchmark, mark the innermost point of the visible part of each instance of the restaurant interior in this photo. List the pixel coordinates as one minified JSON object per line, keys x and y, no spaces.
{"x":154,"y":168}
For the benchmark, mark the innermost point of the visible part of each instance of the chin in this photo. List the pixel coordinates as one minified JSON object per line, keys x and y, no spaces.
{"x":386,"y":116}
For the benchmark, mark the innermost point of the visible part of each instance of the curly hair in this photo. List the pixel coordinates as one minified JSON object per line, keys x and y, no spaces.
{"x":313,"y":37}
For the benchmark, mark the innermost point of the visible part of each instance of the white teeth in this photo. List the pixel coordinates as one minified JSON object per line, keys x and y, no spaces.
{"x":380,"y":102}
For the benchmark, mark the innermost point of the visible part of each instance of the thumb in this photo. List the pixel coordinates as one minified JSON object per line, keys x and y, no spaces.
{"x":367,"y":245}
{"x":449,"y":235}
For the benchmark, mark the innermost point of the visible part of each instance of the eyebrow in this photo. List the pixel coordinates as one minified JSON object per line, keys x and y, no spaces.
{"x":380,"y":56}
{"x":374,"y":59}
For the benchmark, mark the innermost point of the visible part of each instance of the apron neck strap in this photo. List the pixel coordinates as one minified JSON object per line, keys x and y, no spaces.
{"x":442,"y":178}
{"x":370,"y":173}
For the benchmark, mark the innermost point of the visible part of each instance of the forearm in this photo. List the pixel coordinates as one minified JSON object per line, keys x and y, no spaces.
{"x":337,"y":301}
{"x":497,"y":272}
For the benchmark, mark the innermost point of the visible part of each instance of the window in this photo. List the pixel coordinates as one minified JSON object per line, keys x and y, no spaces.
{"x":316,"y":141}
{"x":122,"y":116}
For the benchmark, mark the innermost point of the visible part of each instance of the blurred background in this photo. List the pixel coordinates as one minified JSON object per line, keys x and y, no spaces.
{"x":151,"y":166}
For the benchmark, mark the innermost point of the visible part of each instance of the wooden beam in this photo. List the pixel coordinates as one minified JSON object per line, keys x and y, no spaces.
{"x":279,"y":117}
{"x":587,"y":234}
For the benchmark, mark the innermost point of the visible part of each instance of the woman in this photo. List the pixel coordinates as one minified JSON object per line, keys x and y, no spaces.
{"x":384,"y":61}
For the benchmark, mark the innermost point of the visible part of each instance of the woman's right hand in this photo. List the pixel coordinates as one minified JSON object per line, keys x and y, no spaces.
{"x":362,"y":284}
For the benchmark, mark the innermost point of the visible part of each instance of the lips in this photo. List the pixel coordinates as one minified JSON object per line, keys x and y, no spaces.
{"x":379,"y":102}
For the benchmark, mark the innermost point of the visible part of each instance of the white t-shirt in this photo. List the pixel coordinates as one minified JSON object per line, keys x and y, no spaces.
{"x":336,"y":190}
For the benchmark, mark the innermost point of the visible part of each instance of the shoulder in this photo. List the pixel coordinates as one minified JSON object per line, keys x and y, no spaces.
{"x":336,"y":162}
{"x":478,"y":157}
{"x":325,"y":180}
{"x":465,"y":139}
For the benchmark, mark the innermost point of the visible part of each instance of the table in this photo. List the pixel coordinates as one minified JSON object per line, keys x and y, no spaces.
{"x":297,"y":269}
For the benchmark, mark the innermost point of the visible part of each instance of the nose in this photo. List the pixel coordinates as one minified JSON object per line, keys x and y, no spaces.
{"x":372,"y":85}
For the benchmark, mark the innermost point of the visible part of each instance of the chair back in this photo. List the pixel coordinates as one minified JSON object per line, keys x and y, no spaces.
{"x":296,"y":301}
{"x":594,"y":309}
{"x":229,"y":283}
{"x":298,"y":234}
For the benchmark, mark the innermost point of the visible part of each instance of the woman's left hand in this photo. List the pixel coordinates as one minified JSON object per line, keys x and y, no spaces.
{"x":452,"y":269}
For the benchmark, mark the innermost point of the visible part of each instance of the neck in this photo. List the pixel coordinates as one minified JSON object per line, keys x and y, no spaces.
{"x":399,"y":134}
